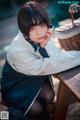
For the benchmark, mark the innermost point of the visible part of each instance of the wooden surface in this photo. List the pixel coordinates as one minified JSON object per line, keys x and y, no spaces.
{"x":69,"y":86}
{"x":71,"y":78}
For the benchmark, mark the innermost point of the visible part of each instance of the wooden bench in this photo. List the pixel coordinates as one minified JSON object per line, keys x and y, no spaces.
{"x":69,"y":87}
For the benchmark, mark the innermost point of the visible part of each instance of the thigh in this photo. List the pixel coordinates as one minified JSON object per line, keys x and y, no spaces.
{"x":47,"y":93}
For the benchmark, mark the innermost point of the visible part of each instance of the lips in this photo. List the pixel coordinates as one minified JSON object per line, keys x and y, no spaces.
{"x":40,"y":39}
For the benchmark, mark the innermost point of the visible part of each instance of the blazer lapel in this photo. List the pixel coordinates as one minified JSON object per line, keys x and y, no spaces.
{"x":43,"y":52}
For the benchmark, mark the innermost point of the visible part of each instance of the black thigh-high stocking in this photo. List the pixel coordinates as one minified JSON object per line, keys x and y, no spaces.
{"x":43,"y":103}
{"x":47,"y":93}
{"x":36,"y":108}
{"x":46,"y":96}
{"x":37,"y":112}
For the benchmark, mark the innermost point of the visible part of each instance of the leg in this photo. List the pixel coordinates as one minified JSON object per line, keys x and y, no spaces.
{"x":37,"y":112}
{"x":47,"y":97}
{"x":47,"y":94}
{"x":36,"y":108}
{"x":43,"y":103}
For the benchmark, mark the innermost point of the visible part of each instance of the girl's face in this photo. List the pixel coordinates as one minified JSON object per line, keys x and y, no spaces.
{"x":38,"y":32}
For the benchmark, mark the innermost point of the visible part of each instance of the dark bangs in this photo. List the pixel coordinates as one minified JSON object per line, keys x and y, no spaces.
{"x":39,"y":16}
{"x":32,"y":14}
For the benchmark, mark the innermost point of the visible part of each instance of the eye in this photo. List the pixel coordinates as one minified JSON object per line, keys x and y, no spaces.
{"x":36,"y":27}
{"x":43,"y":25}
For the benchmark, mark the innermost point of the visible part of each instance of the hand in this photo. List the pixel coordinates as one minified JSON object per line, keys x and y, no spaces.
{"x":46,"y":37}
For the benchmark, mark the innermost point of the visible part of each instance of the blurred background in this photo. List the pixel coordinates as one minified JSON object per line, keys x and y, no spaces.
{"x":57,"y":9}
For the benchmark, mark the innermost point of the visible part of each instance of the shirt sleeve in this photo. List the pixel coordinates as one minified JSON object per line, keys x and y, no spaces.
{"x":30,"y":64}
{"x":53,"y":51}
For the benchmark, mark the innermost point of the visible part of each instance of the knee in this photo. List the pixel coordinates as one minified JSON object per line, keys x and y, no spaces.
{"x":47,"y":94}
{"x":36,"y":108}
{"x":49,"y":97}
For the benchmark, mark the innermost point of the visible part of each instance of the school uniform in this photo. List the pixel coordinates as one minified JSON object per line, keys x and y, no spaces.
{"x":28,"y":66}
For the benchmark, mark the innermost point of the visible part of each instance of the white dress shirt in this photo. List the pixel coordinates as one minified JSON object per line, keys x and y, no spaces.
{"x":22,"y":57}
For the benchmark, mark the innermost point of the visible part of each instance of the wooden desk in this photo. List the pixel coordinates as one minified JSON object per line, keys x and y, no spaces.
{"x":69,"y":86}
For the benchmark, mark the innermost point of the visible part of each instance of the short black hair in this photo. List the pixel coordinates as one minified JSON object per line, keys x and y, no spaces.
{"x":32,"y":14}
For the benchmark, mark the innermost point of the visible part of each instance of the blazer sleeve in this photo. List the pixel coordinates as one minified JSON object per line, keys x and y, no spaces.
{"x":58,"y":61}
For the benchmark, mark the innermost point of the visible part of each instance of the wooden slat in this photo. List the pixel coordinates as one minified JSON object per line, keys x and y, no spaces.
{"x":71,"y":79}
{"x":69,"y":86}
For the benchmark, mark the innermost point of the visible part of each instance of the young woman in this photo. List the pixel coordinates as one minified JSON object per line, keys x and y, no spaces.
{"x":31,"y":60}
